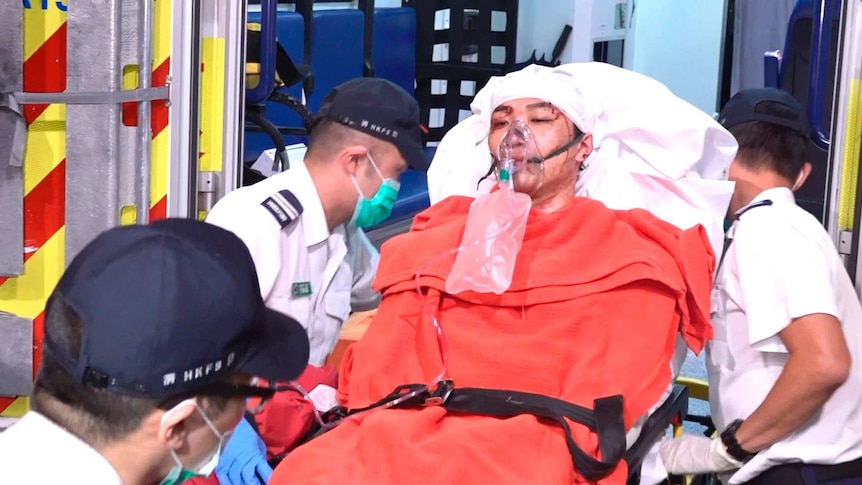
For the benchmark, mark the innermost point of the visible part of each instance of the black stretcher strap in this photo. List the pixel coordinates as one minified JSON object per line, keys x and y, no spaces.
{"x":605,"y":419}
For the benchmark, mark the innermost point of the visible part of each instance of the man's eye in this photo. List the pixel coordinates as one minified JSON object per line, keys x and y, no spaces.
{"x":499,"y":123}
{"x":542,"y":120}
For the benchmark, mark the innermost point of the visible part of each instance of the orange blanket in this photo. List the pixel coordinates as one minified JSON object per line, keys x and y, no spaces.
{"x":596,"y":301}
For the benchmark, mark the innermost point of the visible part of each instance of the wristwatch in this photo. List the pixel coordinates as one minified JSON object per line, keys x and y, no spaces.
{"x":728,"y":438}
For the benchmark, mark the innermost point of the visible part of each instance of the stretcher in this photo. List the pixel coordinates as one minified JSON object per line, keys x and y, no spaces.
{"x":668,"y":416}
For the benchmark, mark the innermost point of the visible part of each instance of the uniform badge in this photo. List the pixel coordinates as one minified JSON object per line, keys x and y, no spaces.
{"x":303,"y":288}
{"x":284,"y":206}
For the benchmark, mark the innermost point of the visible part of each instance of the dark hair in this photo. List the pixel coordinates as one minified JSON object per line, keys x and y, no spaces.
{"x":766,"y":146}
{"x":327,"y":137}
{"x":95,"y":415}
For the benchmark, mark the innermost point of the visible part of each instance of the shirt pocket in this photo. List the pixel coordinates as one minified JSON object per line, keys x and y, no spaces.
{"x":719,"y":355}
{"x":336,"y":302}
{"x":299,"y":308}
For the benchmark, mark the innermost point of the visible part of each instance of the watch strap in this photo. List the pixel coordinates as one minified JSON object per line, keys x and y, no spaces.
{"x":728,"y":438}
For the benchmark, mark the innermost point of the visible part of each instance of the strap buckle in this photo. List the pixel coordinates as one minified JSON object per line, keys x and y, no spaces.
{"x":439,"y":396}
{"x":337,"y":413}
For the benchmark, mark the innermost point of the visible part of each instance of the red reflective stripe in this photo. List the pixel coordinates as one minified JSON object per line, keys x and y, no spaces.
{"x":160,"y":109}
{"x":45,"y":209}
{"x":38,"y":337}
{"x":45,"y":71}
{"x":160,"y":210}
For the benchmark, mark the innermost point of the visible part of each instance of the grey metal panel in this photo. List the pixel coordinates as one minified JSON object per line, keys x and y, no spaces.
{"x":185,"y":111}
{"x":96,"y":97}
{"x":16,"y":355}
{"x":128,"y":150}
{"x":92,"y":131}
{"x":234,"y":89}
{"x":11,"y":177}
{"x":145,"y":55}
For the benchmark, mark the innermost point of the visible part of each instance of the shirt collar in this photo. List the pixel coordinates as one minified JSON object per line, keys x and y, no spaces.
{"x":775,"y":194}
{"x":313,"y":218}
{"x":99,"y":470}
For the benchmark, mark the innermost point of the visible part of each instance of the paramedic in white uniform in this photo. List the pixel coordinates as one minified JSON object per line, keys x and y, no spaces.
{"x":150,"y":338}
{"x":304,"y":226}
{"x":785,"y":367}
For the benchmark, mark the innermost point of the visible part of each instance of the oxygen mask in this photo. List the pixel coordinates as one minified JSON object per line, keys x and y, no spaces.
{"x":518,"y":160}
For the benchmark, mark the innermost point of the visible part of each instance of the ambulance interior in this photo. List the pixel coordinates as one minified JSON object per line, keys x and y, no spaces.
{"x":443,"y":52}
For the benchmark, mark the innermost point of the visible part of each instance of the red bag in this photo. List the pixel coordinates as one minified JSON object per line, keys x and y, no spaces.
{"x":288,"y":416}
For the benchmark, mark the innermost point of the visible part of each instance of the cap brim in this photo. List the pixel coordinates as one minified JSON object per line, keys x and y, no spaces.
{"x":414,"y":156}
{"x":281,"y":353}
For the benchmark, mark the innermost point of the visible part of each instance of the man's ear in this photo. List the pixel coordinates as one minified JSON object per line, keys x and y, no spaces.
{"x":804,"y":172}
{"x":585,"y":147}
{"x":174,"y":425}
{"x":351,"y":158}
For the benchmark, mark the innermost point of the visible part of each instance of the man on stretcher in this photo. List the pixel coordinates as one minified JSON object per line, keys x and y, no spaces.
{"x":536,"y":375}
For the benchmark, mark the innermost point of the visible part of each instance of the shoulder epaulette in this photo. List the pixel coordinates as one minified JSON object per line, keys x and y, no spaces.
{"x":284,"y":206}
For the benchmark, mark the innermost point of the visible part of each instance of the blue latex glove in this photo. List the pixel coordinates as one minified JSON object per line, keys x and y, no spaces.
{"x":243,"y":461}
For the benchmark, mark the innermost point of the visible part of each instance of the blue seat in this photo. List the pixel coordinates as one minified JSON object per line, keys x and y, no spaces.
{"x":290,"y":33}
{"x":393,"y":55}
{"x":393,"y":46}
{"x":796,"y":63}
{"x":337,"y":56}
{"x":336,"y":50}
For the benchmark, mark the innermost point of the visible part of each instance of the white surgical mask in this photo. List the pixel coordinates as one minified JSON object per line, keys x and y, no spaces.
{"x":180,"y":473}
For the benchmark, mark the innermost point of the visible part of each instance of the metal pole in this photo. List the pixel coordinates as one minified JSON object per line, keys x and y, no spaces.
{"x":145,"y":136}
{"x":234,"y":99}
{"x":194,"y":109}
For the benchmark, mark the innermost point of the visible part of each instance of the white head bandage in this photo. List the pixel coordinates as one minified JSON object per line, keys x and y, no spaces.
{"x":554,"y":86}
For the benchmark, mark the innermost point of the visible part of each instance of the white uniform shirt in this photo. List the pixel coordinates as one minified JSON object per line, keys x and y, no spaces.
{"x":36,"y":450}
{"x":304,"y":270}
{"x":781,"y":265}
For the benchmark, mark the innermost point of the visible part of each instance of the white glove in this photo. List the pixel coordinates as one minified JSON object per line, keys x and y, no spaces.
{"x":694,"y":455}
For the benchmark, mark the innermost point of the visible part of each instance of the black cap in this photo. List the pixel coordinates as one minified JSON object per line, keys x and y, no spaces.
{"x":769,"y":105}
{"x":171,"y":308}
{"x":381,"y":109}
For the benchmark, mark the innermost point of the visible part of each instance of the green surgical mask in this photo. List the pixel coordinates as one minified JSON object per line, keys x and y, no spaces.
{"x":373,"y":211}
{"x":179,"y":473}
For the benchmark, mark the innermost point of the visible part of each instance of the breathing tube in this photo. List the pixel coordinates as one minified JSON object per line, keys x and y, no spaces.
{"x":485,"y":259}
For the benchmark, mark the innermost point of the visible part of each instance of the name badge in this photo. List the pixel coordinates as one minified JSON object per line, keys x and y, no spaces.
{"x":303,"y":288}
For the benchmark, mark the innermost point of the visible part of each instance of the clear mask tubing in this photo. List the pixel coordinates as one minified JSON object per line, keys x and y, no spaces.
{"x":506,"y":167}
{"x":438,"y":328}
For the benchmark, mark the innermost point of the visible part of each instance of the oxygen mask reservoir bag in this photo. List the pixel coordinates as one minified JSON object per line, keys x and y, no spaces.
{"x":496,"y":224}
